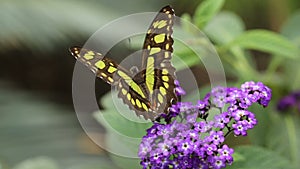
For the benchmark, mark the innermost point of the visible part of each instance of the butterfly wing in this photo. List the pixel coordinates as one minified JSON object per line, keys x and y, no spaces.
{"x":112,"y":73}
{"x":157,"y":54}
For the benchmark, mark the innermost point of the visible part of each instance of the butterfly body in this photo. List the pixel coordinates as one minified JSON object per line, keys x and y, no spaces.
{"x":148,"y":89}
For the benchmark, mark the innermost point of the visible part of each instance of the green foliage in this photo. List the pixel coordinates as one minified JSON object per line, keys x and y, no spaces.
{"x":251,"y":157}
{"x":291,"y":28}
{"x":225,"y":27}
{"x":41,"y":28}
{"x":37,"y":163}
{"x":206,"y":11}
{"x":44,"y":25}
{"x":265,"y":41}
{"x":32,"y":126}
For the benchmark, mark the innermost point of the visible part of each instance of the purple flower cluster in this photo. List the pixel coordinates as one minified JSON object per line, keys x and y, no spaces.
{"x":290,"y":101}
{"x":189,"y":140}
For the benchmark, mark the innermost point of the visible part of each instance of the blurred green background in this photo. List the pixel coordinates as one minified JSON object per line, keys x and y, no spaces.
{"x":38,"y":125}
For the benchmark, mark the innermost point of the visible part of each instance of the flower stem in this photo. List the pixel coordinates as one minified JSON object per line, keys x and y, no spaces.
{"x":292,"y":137}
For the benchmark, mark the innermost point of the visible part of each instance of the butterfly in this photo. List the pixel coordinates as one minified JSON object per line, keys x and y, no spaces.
{"x":149,"y":91}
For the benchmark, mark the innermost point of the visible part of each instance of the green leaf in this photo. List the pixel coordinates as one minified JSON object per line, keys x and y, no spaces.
{"x":238,"y":157}
{"x":265,"y":41}
{"x":206,"y":11}
{"x":224,"y":27}
{"x":125,"y":162}
{"x":187,"y":18}
{"x":37,"y":163}
{"x":257,"y":157}
{"x":259,"y":133}
{"x":184,"y":56}
{"x":291,"y":28}
{"x":284,"y":137}
{"x":193,"y":48}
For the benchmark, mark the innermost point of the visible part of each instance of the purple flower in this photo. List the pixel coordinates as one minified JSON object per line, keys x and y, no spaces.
{"x":179,"y":90}
{"x":239,"y":114}
{"x":250,"y":120}
{"x":185,"y":147}
{"x":144,"y":149}
{"x":165,"y":147}
{"x":218,"y":162}
{"x":189,"y":140}
{"x":222,"y":120}
{"x":226,"y":153}
{"x":209,"y":148}
{"x":290,"y":101}
{"x":219,"y":96}
{"x":217,"y":137}
{"x":240,"y":128}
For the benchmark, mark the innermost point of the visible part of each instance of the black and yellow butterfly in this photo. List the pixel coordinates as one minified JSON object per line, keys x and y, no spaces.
{"x":151,"y":91}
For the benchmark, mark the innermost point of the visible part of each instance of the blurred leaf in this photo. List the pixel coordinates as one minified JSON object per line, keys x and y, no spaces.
{"x":277,"y":132}
{"x":265,"y":41}
{"x":291,"y":30}
{"x":37,"y":163}
{"x":42,"y":25}
{"x":238,"y":157}
{"x":126,"y":162}
{"x":36,"y":127}
{"x":184,"y":56}
{"x":3,"y":165}
{"x":224,"y":27}
{"x":188,"y":19}
{"x":257,"y":157}
{"x":286,"y":76}
{"x":284,"y":137}
{"x":291,"y":27}
{"x":206,"y":10}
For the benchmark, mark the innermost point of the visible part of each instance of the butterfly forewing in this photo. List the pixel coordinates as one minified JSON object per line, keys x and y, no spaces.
{"x":157,"y":54}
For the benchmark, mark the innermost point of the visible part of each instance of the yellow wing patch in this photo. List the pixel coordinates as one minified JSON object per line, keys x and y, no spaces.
{"x":154,"y":50}
{"x":159,"y":38}
{"x":100,"y":64}
{"x":89,"y":55}
{"x":111,"y":69}
{"x":160,"y":24}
